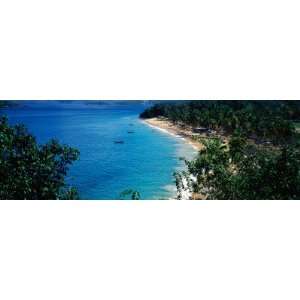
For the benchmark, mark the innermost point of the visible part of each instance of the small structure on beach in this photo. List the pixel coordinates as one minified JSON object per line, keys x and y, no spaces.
{"x":200,"y":130}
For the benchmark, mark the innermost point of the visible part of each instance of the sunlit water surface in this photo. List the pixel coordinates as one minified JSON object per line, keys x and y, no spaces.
{"x":144,"y":162}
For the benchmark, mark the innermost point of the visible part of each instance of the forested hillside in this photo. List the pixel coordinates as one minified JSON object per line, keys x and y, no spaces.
{"x":273,"y":120}
{"x":269,"y":168}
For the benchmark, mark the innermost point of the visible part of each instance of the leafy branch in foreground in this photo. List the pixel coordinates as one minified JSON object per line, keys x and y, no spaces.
{"x":32,"y":171}
{"x":241,"y":171}
{"x":130,"y":195}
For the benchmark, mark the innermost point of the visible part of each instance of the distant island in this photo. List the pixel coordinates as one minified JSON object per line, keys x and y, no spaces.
{"x":112,"y":149}
{"x":70,"y":149}
{"x":6,"y":103}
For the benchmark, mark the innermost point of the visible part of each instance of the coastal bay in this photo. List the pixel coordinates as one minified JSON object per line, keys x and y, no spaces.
{"x":167,"y":126}
{"x":145,"y":150}
{"x":145,"y":161}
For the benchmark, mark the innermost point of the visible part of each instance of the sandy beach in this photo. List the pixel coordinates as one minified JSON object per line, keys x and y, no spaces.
{"x":168,"y":127}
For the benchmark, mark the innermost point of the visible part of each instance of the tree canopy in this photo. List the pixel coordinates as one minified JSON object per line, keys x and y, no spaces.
{"x":243,"y":171}
{"x":32,"y":171}
{"x":265,"y":120}
{"x":261,"y":160}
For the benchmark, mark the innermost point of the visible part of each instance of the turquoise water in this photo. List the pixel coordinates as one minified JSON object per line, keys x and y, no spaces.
{"x":145,"y":162}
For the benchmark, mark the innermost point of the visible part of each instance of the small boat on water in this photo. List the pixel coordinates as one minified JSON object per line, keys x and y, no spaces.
{"x":130,"y":131}
{"x":119,"y":142}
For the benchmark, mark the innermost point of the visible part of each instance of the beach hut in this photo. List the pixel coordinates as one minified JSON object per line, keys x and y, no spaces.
{"x":200,"y":130}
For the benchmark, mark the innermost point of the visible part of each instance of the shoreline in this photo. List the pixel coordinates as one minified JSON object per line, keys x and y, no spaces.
{"x":167,"y":127}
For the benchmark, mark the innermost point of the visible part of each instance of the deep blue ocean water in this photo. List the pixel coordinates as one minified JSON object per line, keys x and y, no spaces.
{"x":145,"y":162}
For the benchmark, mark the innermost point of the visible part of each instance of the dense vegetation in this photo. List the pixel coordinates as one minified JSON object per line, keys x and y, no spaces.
{"x":6,"y":103}
{"x":242,"y":171}
{"x":265,"y":120}
{"x":239,"y":169}
{"x":32,"y":171}
{"x":3,"y":103}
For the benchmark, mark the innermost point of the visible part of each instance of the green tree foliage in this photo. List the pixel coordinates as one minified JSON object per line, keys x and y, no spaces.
{"x":262,"y":120}
{"x":245,"y":171}
{"x":130,"y":195}
{"x":2,"y":103}
{"x":32,"y":171}
{"x":6,"y":103}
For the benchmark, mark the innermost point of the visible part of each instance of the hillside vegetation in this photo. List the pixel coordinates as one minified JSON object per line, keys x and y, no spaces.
{"x":271,"y":120}
{"x":269,"y":168}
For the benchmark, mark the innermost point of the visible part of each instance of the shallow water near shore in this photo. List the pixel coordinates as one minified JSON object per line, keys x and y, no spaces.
{"x":144,"y":162}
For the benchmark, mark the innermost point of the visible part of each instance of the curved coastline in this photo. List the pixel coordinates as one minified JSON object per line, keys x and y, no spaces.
{"x":167,"y":127}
